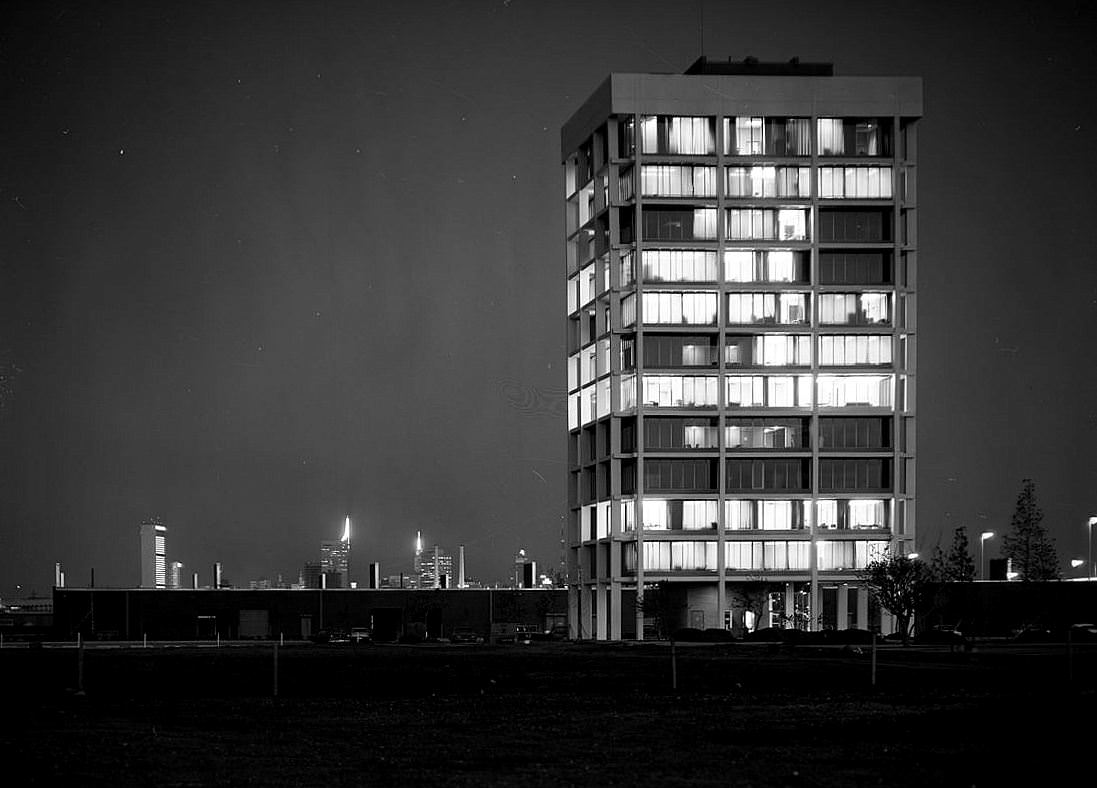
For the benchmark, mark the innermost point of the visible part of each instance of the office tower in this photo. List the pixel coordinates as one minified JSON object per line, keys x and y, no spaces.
{"x":741,"y":258}
{"x":310,"y":574}
{"x":154,"y":570}
{"x":175,"y":575}
{"x":216,"y":574}
{"x":529,"y":575}
{"x":461,"y":566}
{"x":433,"y":567}
{"x":374,"y":575}
{"x":335,"y":559}
{"x":58,"y":576}
{"x":519,"y":567}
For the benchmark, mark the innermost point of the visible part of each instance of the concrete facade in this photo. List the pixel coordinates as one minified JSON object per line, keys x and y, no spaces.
{"x":741,"y":258}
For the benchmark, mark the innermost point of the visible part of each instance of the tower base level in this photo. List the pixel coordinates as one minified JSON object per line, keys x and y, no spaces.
{"x":609,"y":611}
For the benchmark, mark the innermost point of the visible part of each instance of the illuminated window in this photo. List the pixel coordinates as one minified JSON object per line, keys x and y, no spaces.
{"x":766,"y":265}
{"x":767,"y":308}
{"x":769,"y":391}
{"x":665,"y":180}
{"x":866,"y":183}
{"x":684,"y":136}
{"x":768,"y":350}
{"x":767,"y":224}
{"x":767,"y":181}
{"x":852,"y":514}
{"x":671,"y":308}
{"x":839,"y":391}
{"x":679,"y":265}
{"x":850,"y":350}
{"x":678,"y":391}
{"x":854,"y":137}
{"x":854,"y":309}
{"x":755,"y":136}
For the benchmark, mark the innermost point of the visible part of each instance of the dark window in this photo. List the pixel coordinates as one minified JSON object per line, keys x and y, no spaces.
{"x":626,"y":136}
{"x":626,"y":218}
{"x":855,"y":225}
{"x":767,"y":474}
{"x":861,"y":474}
{"x":694,"y":475}
{"x":767,"y":434}
{"x":855,"y":268}
{"x":667,"y":434}
{"x":628,"y":435}
{"x":679,"y":224}
{"x":854,"y":433}
{"x":663,"y":350}
{"x":628,"y":477}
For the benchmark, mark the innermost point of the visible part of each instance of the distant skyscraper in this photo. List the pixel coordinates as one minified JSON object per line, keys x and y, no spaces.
{"x":175,"y":575}
{"x":154,"y":570}
{"x":310,"y":575}
{"x":335,"y":559}
{"x":434,"y":567}
{"x":520,"y":562}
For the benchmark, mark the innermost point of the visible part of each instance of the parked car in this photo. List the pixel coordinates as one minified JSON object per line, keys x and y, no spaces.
{"x":941,"y":634}
{"x":331,"y":636}
{"x":361,"y":635}
{"x":465,"y":635}
{"x":512,"y":633}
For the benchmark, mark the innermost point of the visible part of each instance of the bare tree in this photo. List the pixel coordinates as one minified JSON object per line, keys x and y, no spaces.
{"x":898,"y":582}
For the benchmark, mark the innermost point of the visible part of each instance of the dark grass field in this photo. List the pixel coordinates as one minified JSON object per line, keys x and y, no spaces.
{"x":553,"y":714}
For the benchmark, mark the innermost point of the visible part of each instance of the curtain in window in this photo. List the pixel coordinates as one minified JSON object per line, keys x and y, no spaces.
{"x":830,"y":137}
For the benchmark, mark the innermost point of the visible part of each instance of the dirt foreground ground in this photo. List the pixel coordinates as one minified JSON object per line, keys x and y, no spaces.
{"x":552,"y":714}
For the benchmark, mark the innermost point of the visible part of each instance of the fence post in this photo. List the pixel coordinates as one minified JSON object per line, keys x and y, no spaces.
{"x":1070,"y":657}
{"x":873,"y":659}
{"x":673,"y":666}
{"x":275,"y":687}
{"x":79,"y":665}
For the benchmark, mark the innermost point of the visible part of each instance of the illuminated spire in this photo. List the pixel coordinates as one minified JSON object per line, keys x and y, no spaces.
{"x":418,"y":542}
{"x":346,"y":531}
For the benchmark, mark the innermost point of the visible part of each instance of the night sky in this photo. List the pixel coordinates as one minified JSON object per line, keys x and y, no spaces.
{"x":266,"y":264}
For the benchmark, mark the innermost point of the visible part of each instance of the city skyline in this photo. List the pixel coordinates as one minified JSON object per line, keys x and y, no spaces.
{"x":221,"y":301}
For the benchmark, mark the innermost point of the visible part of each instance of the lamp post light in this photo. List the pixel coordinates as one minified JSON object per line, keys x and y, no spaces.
{"x":1089,"y":553}
{"x":982,"y":551}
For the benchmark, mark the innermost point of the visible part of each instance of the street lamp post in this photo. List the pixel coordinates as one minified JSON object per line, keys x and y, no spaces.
{"x":1089,"y":552}
{"x":982,"y":551}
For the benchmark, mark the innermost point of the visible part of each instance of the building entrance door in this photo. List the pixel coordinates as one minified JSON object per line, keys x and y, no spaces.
{"x":697,"y":619}
{"x":306,"y":627}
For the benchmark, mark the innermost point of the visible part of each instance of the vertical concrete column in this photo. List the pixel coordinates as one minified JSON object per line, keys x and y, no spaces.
{"x":602,"y":622}
{"x":790,"y":600}
{"x":586,"y":617}
{"x":843,"y":606}
{"x":573,"y":612}
{"x":862,"y":608}
{"x":615,"y":611}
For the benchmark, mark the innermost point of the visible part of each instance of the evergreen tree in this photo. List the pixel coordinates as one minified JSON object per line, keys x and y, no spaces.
{"x":957,"y":565}
{"x":1028,"y":544}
